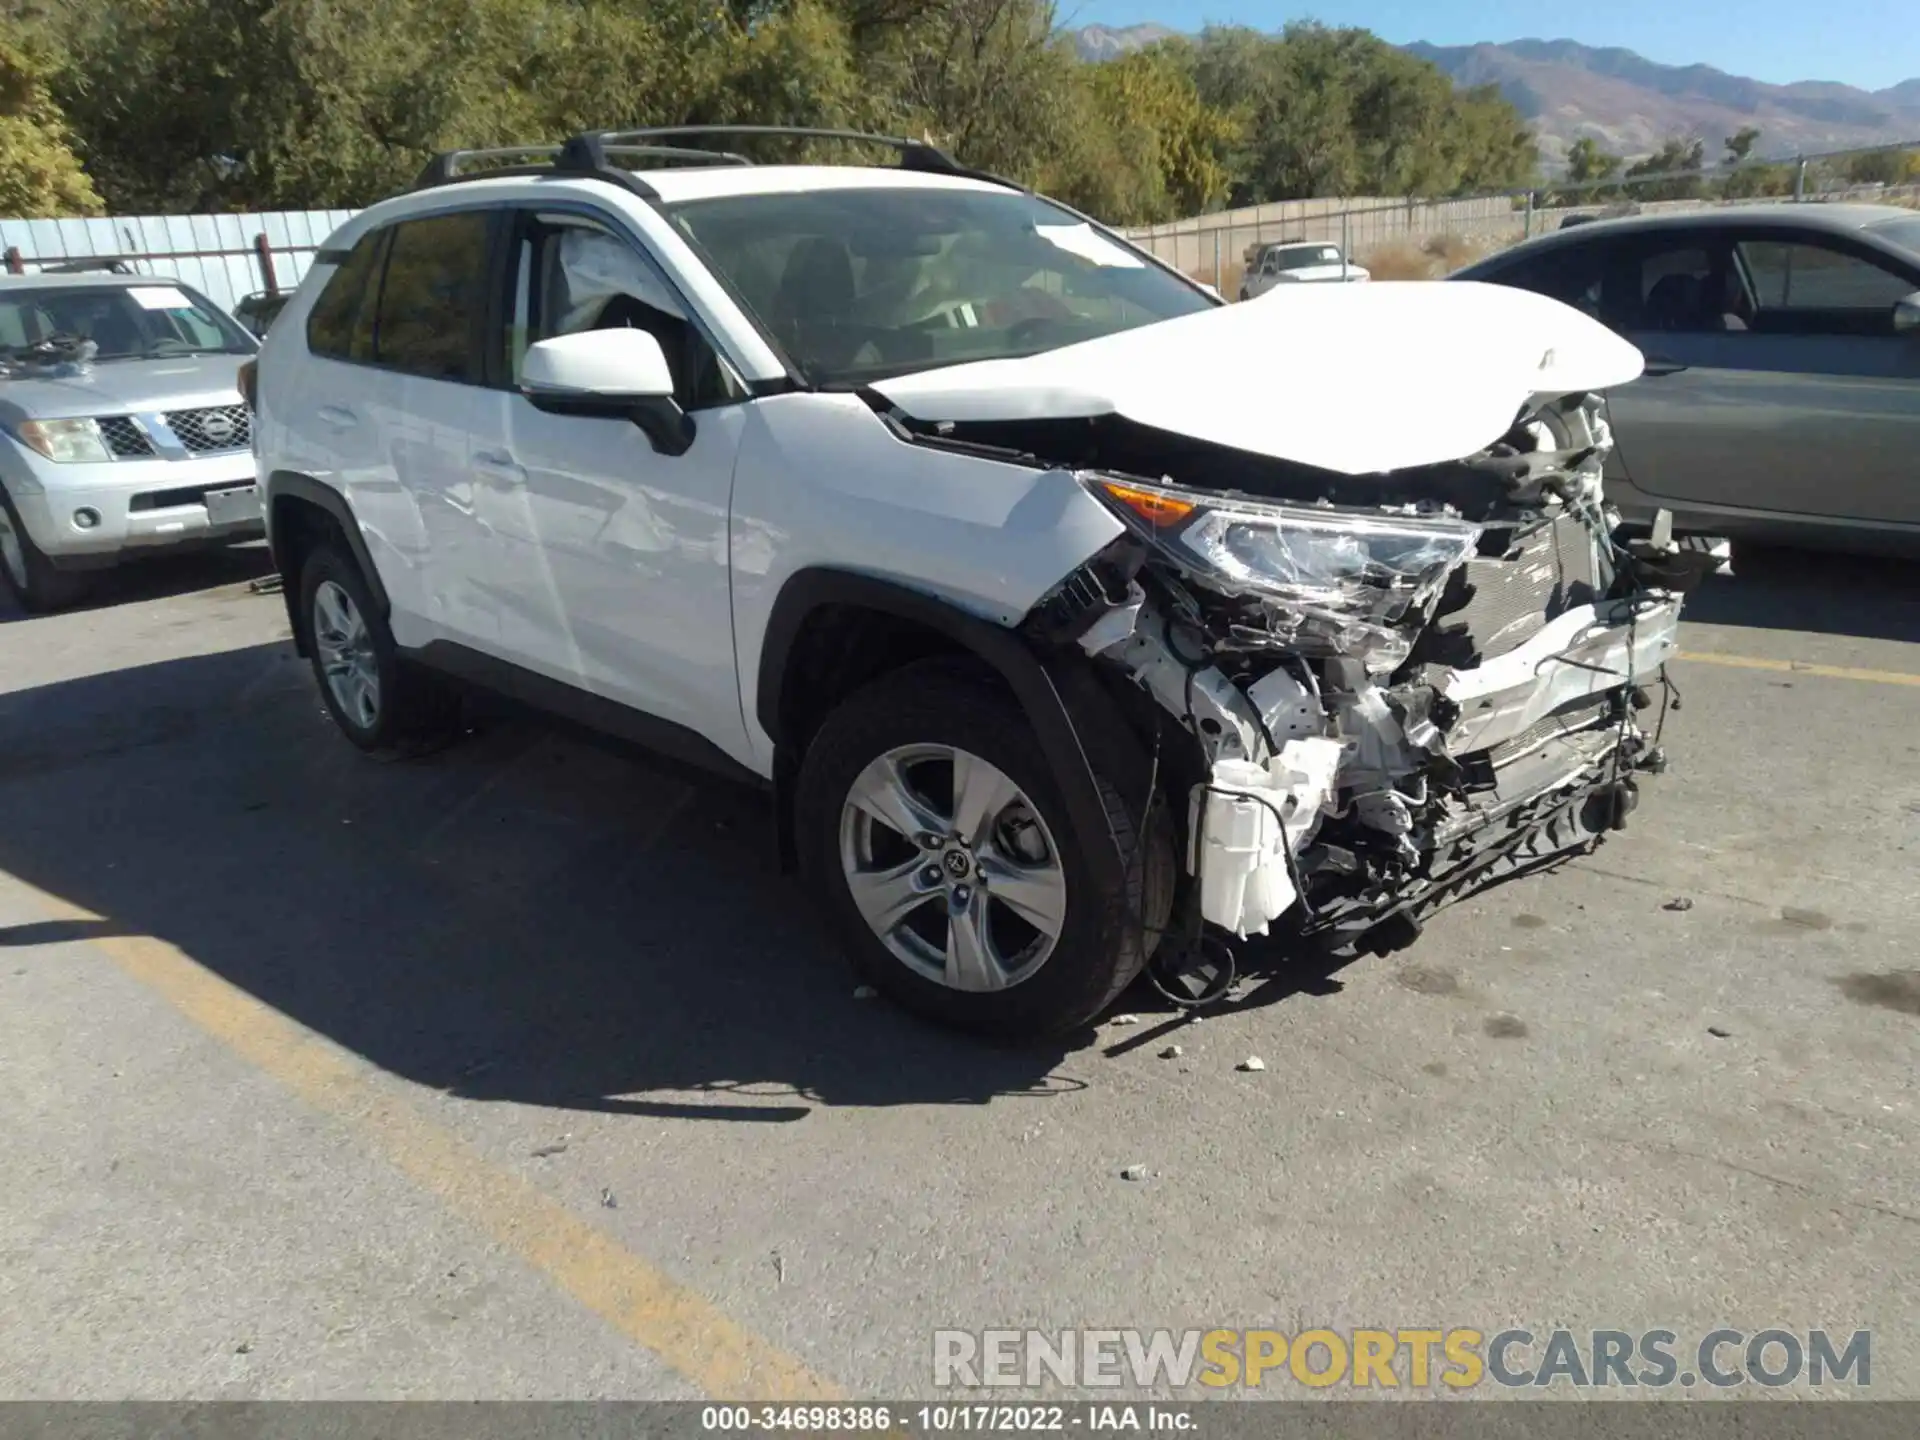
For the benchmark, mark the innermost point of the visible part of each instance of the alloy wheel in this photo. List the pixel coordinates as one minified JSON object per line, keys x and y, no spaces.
{"x":347,"y":660}
{"x":953,"y":867}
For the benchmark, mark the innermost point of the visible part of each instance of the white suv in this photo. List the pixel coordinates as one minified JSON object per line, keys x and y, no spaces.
{"x":1063,"y":632}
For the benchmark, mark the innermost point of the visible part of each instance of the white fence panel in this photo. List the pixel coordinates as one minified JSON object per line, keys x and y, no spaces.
{"x":214,"y":254}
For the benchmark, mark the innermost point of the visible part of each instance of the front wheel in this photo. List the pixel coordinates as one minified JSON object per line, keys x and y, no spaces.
{"x":379,"y":702}
{"x":931,"y":825}
{"x":31,"y":576}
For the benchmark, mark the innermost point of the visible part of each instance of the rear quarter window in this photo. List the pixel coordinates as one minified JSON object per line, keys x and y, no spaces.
{"x":340,"y":325}
{"x":1571,"y":274}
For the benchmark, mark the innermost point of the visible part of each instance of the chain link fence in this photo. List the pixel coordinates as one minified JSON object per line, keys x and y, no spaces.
{"x":1412,"y":238}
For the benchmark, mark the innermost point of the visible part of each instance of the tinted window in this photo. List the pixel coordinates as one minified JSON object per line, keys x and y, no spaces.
{"x":1794,"y":275}
{"x":1304,"y":257}
{"x":433,"y":297}
{"x":1571,"y":274}
{"x":340,"y":324}
{"x":859,"y":284}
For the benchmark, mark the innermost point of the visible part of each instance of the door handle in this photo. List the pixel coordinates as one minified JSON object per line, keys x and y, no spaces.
{"x":338,"y":417}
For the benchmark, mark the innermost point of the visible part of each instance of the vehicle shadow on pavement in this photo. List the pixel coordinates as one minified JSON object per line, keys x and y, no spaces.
{"x":160,"y":577}
{"x":522,"y":917}
{"x":1864,"y":596}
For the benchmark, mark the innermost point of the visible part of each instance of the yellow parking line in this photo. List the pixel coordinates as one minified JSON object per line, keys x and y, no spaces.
{"x":1801,"y":667}
{"x":687,"y":1331}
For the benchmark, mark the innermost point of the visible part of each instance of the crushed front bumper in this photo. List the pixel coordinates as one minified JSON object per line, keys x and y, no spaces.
{"x":1547,"y":730}
{"x":1587,"y":651}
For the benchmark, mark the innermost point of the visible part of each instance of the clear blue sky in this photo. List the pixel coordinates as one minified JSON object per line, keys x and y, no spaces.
{"x":1870,"y":43}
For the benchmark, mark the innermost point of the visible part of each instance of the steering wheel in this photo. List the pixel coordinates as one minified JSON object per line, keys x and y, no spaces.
{"x":1023,"y":333}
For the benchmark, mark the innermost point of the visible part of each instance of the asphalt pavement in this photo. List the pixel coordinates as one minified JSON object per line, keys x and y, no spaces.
{"x":520,"y":1072}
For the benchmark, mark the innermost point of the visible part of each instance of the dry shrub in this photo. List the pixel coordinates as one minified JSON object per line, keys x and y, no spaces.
{"x":1456,"y":252}
{"x":1431,"y":259}
{"x":1228,"y":283}
{"x":1399,"y":260}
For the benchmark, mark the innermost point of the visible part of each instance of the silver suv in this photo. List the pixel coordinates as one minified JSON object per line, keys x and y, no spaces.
{"x":122,"y":428}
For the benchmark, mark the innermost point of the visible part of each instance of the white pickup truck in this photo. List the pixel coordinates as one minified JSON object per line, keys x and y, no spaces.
{"x":1291,"y":262}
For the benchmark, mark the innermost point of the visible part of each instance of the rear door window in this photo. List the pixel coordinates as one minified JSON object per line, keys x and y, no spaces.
{"x":1806,"y":287}
{"x":433,"y":298}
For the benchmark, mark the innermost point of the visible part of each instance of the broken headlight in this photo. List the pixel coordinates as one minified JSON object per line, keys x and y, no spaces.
{"x":1328,"y":581}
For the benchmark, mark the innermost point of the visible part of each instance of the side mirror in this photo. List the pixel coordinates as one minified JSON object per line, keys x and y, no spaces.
{"x":1906,"y":315}
{"x":619,"y":373}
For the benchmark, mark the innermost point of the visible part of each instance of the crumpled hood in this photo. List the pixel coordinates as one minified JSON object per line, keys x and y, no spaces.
{"x":1354,"y":379}
{"x":118,"y":387}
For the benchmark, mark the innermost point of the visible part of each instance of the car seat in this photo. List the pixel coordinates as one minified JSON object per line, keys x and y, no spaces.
{"x":815,"y":299}
{"x":1674,"y":303}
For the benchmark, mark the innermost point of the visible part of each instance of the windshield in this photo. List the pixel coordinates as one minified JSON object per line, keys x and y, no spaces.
{"x":131,"y":322}
{"x":859,"y":285}
{"x":1305,"y":256}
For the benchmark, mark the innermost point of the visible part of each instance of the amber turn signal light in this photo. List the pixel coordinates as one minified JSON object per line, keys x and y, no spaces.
{"x":1156,"y":508}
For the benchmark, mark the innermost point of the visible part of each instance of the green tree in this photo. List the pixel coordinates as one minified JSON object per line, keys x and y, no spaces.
{"x":1883,"y":167}
{"x":39,"y":172}
{"x":1665,"y":174}
{"x":1589,"y":168}
{"x":1751,"y":178}
{"x":1153,"y":150}
{"x":1331,"y":112}
{"x":210,"y":104}
{"x":216,"y":104}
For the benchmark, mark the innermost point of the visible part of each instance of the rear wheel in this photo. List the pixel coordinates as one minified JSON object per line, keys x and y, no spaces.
{"x":380,"y":703}
{"x":930,"y":823}
{"x":31,"y":576}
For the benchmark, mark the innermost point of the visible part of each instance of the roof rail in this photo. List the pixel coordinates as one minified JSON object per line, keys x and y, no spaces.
{"x":446,"y":167}
{"x":679,"y":152}
{"x":914,"y":154}
{"x":607,"y":154}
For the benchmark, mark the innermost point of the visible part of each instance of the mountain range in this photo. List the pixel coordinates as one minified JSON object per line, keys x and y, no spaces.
{"x":1629,"y":103}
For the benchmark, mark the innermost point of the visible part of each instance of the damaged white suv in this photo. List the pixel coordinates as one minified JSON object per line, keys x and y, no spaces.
{"x":1071,"y":615}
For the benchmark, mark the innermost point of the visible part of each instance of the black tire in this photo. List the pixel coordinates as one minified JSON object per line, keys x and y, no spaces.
{"x":1107,"y":931}
{"x":417,"y":712}
{"x":38,"y":585}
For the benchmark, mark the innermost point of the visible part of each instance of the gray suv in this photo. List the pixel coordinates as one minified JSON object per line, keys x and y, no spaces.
{"x":122,"y":428}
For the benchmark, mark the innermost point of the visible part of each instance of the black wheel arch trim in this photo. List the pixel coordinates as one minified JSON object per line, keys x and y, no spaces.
{"x":294,"y":485}
{"x":1042,"y":684}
